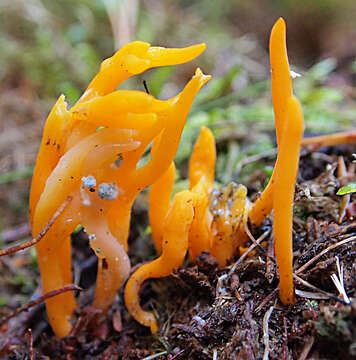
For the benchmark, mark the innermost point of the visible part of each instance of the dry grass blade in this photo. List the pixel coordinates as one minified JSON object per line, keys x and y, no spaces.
{"x":311,"y":295}
{"x":338,"y":281}
{"x":43,"y":232}
{"x":310,"y":286}
{"x":265,"y":332}
{"x":155,"y":356}
{"x":39,"y":300}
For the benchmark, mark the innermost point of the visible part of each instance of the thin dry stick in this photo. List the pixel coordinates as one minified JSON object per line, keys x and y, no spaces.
{"x":109,"y":352}
{"x":265,"y":332}
{"x":244,"y":255}
{"x":251,"y":237}
{"x":270,"y":261}
{"x":308,"y":345}
{"x":346,"y":137}
{"x":179,"y":353}
{"x":43,"y":232}
{"x":268,"y":298}
{"x":42,"y":298}
{"x":32,"y":353}
{"x":315,"y":258}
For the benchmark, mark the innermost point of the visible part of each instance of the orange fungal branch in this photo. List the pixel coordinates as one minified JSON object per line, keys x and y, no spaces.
{"x":281,"y":92}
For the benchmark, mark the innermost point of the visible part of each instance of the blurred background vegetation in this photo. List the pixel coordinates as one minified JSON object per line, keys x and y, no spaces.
{"x":51,"y":47}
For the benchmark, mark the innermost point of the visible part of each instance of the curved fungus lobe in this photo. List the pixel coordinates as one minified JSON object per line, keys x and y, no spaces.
{"x":174,"y":248}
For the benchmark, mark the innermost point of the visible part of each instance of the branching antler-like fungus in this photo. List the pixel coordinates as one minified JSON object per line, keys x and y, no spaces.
{"x":98,"y":169}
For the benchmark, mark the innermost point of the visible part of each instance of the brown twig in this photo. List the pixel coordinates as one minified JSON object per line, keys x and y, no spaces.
{"x":42,"y":298}
{"x":32,"y":354}
{"x":267,"y":299}
{"x":43,"y":232}
{"x":252,"y":238}
{"x":179,"y":353}
{"x":347,"y":137}
{"x":307,"y":347}
{"x":270,"y":264}
{"x":109,"y":351}
{"x":316,"y":257}
{"x":244,"y":255}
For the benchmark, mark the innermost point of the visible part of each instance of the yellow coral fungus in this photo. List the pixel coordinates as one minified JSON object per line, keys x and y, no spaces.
{"x":98,"y":169}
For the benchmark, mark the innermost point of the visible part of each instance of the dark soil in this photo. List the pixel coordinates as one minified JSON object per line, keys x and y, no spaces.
{"x":206,"y":313}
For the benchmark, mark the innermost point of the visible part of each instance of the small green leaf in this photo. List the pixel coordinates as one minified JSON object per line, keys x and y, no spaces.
{"x":148,"y":230}
{"x":347,"y":189}
{"x":77,"y":229}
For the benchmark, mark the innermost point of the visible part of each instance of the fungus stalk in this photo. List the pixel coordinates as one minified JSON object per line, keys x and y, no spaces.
{"x":283,"y":198}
